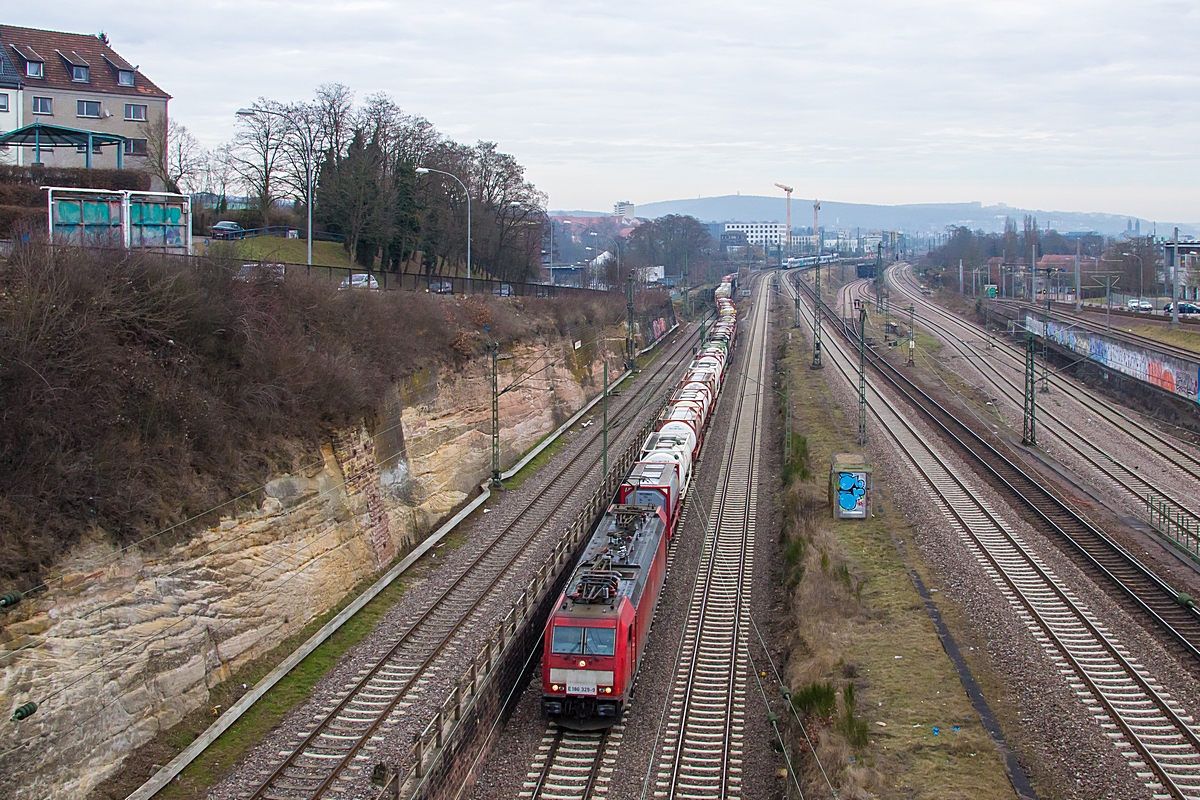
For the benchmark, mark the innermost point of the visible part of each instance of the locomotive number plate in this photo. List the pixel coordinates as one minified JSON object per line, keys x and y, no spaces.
{"x":581,"y":688}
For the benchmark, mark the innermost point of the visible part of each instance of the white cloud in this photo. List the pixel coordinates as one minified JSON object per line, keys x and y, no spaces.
{"x":1080,"y":105}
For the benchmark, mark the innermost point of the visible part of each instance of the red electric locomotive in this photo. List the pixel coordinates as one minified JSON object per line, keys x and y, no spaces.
{"x":598,"y":630}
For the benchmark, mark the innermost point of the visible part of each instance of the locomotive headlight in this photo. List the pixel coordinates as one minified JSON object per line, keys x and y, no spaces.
{"x":582,"y":663}
{"x":554,"y":687}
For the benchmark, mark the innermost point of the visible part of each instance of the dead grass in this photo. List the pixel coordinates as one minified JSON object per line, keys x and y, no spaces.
{"x":140,"y":391}
{"x":862,"y":630}
{"x":1180,"y":337}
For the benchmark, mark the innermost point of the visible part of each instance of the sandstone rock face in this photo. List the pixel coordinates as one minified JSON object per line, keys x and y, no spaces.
{"x":123,"y":644}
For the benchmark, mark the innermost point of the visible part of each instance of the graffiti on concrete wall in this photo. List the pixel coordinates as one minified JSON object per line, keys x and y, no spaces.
{"x":1176,"y":375}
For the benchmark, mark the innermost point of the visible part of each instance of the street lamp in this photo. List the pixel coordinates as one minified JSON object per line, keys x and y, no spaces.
{"x":616,"y":244}
{"x":426,"y":171}
{"x":308,"y":170}
{"x":1142,"y":276}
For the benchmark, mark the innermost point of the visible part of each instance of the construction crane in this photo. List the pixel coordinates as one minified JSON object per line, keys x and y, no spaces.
{"x":788,"y":244}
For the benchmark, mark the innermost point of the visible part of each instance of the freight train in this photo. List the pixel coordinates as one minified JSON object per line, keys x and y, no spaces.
{"x":597,"y":632}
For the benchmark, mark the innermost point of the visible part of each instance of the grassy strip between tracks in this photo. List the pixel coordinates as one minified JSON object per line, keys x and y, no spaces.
{"x":908,"y":730}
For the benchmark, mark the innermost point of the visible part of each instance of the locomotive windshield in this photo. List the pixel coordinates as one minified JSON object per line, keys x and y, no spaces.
{"x":572,"y":641}
{"x":568,"y":640}
{"x":600,"y":641}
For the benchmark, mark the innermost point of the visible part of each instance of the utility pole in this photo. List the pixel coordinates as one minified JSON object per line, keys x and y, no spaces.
{"x":887,"y":319}
{"x":1029,"y":426}
{"x":960,"y":277}
{"x":604,"y":430}
{"x":494,"y":350}
{"x":912,"y":333}
{"x":817,"y":363}
{"x":630,"y":343}
{"x":1175,"y":283}
{"x":1079,"y":295}
{"x":862,"y":375}
{"x":787,"y":404}
{"x":1033,"y":274}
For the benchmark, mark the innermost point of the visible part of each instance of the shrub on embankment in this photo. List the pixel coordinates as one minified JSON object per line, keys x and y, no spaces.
{"x":139,"y":391}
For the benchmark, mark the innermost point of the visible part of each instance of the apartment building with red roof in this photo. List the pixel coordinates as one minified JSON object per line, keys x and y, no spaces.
{"x":75,"y":80}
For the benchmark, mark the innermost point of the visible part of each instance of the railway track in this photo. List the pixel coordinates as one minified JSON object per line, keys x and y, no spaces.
{"x":573,"y":765}
{"x":1093,"y":548}
{"x":702,"y":738}
{"x":335,"y":748}
{"x":1155,"y":735}
{"x":1126,"y":477}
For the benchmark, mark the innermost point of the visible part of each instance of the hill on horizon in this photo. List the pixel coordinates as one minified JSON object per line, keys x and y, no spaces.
{"x":927,"y":217}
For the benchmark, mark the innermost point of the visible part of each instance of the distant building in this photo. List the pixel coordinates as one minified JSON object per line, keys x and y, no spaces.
{"x":624,"y":209}
{"x":770,"y":234}
{"x":74,"y":80}
{"x":651,"y":274}
{"x":733,"y":239}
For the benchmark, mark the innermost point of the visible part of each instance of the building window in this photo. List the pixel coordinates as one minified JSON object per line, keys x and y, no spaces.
{"x":88,"y":108}
{"x":79,"y":74}
{"x":125,"y":77}
{"x":82,"y":149}
{"x":3,"y":101}
{"x":135,"y":147}
{"x":43,"y":105}
{"x":34,"y":69}
{"x":135,"y":112}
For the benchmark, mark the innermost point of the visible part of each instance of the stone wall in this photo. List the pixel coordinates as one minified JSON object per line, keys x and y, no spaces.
{"x":123,"y":644}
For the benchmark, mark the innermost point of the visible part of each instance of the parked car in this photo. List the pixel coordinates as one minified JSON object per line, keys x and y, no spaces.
{"x":442,"y":287}
{"x":1184,"y":308}
{"x":1134,"y":304}
{"x":227,"y":229}
{"x":503,"y":290}
{"x":359,"y":281}
{"x":261,"y":273}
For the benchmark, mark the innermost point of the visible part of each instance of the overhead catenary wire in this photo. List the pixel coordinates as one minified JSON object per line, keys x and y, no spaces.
{"x":775,"y":725}
{"x":779,"y":680}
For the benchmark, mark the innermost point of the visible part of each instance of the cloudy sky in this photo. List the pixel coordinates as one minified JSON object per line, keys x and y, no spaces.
{"x":1065,"y":105}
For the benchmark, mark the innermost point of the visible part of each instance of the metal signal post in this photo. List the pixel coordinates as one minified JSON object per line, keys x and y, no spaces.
{"x":912,"y":333}
{"x":817,"y":363}
{"x":862,"y":375}
{"x":630,"y":343}
{"x":1029,"y":417}
{"x":494,"y":350}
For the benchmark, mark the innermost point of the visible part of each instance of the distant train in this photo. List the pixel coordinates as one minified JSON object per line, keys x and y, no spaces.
{"x":810,"y":261}
{"x":597,"y":632}
{"x":865,"y":270}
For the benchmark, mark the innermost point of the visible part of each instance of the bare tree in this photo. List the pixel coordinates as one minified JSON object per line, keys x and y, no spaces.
{"x":335,"y":107}
{"x":173,"y":155}
{"x":259,"y":156}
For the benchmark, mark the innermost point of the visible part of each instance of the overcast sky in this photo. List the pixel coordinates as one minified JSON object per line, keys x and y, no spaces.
{"x":1074,"y":106}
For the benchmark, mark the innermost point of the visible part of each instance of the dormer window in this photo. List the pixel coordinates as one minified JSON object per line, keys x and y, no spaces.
{"x":79,"y":74}
{"x":125,"y":77}
{"x":35,"y":65}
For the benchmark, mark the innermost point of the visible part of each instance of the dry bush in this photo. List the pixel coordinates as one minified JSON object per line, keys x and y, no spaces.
{"x":138,"y":391}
